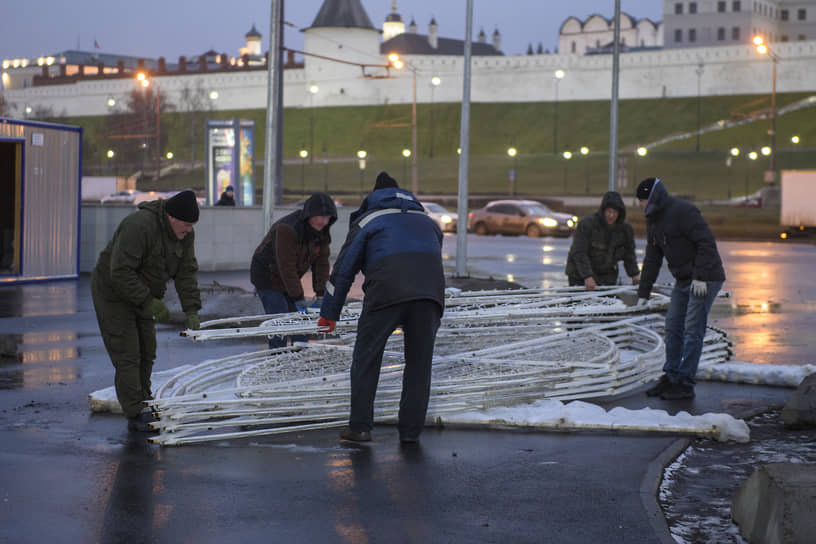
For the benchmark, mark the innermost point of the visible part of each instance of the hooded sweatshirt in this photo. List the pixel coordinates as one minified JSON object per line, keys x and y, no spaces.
{"x":597,"y":246}
{"x":292,"y":247}
{"x":676,"y":230}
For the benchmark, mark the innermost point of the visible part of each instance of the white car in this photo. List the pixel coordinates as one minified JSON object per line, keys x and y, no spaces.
{"x":131,"y":196}
{"x":445,"y":219}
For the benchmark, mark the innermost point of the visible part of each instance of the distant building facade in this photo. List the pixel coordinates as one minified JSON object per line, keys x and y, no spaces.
{"x":81,"y":84}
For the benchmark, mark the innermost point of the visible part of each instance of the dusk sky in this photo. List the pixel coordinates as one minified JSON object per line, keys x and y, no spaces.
{"x":170,"y":28}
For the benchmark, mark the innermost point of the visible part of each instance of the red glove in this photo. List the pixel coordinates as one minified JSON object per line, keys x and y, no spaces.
{"x":325,"y":325}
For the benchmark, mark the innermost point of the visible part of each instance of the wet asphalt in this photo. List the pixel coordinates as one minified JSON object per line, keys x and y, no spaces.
{"x":67,"y":475}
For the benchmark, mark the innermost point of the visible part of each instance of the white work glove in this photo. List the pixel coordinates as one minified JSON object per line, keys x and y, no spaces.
{"x":699,"y":288}
{"x":642,"y":302}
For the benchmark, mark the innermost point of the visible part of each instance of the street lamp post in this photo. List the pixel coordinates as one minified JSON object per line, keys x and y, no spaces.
{"x":395,"y":61}
{"x":312,"y":91}
{"x":405,"y":154}
{"x":763,"y":49}
{"x":585,"y":153}
{"x":559,"y":75}
{"x":699,"y":72}
{"x":512,"y":152}
{"x":304,"y":154}
{"x":144,"y":81}
{"x":567,"y":156}
{"x":435,"y":81}
{"x":642,"y":152}
{"x":748,"y":168}
{"x":361,"y":155}
{"x":734,"y":154}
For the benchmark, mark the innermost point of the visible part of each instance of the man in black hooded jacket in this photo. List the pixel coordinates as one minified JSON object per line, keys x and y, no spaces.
{"x":676,"y":230}
{"x":601,"y":240}
{"x":295,"y":244}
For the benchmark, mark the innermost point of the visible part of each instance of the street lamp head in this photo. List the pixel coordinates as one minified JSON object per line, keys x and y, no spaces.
{"x":766,"y":150}
{"x":511,"y":151}
{"x":395,"y":61}
{"x":794,"y":139}
{"x":752,"y":155}
{"x":303,"y":153}
{"x":111,"y":102}
{"x":435,"y":81}
{"x":584,"y":150}
{"x":559,"y":74}
{"x":313,"y":89}
{"x":758,"y":40}
{"x":111,"y":153}
{"x":169,"y":155}
{"x":406,"y":153}
{"x":362,"y":154}
{"x":735,"y":151}
{"x":567,"y":154}
{"x":642,"y":151}
{"x":213,"y":95}
{"x":762,"y":49}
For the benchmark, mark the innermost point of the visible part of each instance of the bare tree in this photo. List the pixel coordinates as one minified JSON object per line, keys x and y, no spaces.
{"x":196,"y":103}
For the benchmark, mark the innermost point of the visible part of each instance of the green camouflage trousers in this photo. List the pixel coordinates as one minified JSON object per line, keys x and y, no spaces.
{"x":129,"y":333}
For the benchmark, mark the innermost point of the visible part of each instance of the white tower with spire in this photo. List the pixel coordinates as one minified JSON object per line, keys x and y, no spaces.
{"x":393,"y":25}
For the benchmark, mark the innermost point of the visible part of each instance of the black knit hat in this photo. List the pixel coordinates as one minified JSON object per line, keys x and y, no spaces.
{"x":384,"y":181}
{"x":183,"y":206}
{"x":645,"y":188}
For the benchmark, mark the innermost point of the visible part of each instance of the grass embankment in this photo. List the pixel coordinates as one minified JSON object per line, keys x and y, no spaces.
{"x":339,"y":132}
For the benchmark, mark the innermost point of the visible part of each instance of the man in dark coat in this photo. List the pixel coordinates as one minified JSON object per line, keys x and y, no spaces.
{"x":227,"y":197}
{"x":676,"y":230}
{"x":399,"y":250}
{"x":601,"y":240}
{"x":149,"y":248}
{"x":295,"y":244}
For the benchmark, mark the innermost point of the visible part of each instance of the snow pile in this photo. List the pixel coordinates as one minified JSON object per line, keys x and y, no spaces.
{"x":755,"y":374}
{"x":578,"y":415}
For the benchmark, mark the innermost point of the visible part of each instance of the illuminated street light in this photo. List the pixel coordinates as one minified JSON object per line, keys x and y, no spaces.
{"x":568,"y":155}
{"x":304,"y":154}
{"x":213,"y":95}
{"x":752,"y":155}
{"x":559,"y":75}
{"x":735,"y":151}
{"x":584,"y":150}
{"x":642,"y":151}
{"x":763,"y":49}
{"x":361,"y":155}
{"x":111,"y":102}
{"x":169,"y":155}
{"x":512,"y":152}
{"x":794,"y":139}
{"x":111,"y":153}
{"x":399,"y":64}
{"x":765,"y":150}
{"x":405,"y":154}
{"x":435,"y":82}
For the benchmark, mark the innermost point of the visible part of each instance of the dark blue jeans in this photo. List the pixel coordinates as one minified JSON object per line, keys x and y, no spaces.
{"x":419,"y":320}
{"x":278,"y":302}
{"x":685,"y":330}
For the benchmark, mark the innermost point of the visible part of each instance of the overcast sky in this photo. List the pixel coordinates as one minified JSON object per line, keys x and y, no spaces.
{"x":170,"y":28}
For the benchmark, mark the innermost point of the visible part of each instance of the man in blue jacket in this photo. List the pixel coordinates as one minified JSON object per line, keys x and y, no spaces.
{"x":398,"y":248}
{"x":676,"y":230}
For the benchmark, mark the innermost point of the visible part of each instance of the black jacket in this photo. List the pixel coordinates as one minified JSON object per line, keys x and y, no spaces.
{"x":292,"y":247}
{"x":676,"y":230}
{"x":225,"y":200}
{"x":597,"y":247}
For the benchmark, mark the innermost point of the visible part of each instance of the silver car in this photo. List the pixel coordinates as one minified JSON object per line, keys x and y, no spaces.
{"x":521,"y":217}
{"x":445,"y":219}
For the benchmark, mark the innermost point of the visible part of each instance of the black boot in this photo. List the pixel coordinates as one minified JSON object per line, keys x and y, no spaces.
{"x":662,"y":384}
{"x":142,"y":423}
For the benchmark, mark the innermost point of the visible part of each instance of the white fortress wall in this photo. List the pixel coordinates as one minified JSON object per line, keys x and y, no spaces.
{"x":726,"y":70}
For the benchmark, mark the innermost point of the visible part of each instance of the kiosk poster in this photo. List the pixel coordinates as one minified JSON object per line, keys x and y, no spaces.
{"x":246,"y":158}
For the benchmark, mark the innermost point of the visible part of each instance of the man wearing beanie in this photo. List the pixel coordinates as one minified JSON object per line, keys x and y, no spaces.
{"x":398,"y":247}
{"x":150,"y":247}
{"x":295,"y":244}
{"x":676,"y":230}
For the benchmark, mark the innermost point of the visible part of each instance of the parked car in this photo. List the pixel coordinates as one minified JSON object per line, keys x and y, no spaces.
{"x":131,"y":196}
{"x":445,"y":219}
{"x":521,"y":217}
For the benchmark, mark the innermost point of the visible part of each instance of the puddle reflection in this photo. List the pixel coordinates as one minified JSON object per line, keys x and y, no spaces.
{"x":31,"y":300}
{"x":34,"y":350}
